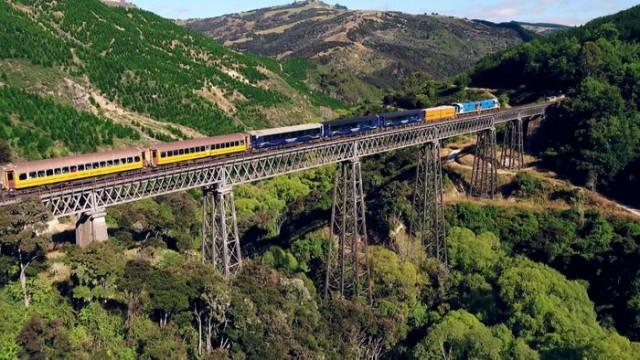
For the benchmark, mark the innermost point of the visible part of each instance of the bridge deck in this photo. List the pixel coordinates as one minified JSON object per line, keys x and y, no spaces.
{"x":81,"y":196}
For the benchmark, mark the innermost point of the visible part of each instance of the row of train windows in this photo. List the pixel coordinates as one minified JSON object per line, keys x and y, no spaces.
{"x":292,"y":135}
{"x":76,"y":168}
{"x":401,"y":119}
{"x":198,"y":149}
{"x":353,"y":126}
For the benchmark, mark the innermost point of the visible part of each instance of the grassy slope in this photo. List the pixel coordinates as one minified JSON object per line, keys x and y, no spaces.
{"x":142,"y":66}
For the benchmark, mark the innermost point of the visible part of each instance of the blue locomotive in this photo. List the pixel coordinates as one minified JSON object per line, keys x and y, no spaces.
{"x":477,"y":106}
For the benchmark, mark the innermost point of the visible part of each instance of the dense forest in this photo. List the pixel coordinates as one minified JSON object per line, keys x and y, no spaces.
{"x":520,"y":281}
{"x":594,"y":136}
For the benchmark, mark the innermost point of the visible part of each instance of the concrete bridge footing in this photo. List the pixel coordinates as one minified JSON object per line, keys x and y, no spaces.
{"x":91,"y":227}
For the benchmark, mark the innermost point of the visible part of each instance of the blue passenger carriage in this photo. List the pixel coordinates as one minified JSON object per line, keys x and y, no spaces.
{"x":351,"y":126}
{"x":285,"y":135}
{"x":402,"y":118}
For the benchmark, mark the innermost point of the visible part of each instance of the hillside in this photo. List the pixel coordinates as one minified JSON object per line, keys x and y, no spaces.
{"x":360,"y":52}
{"x":77,"y":76}
{"x":594,"y":137}
{"x":543,"y":28}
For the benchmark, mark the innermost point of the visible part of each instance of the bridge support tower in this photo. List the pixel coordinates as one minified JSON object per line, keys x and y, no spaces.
{"x":484,"y":178}
{"x":220,"y":239}
{"x":512,"y":156}
{"x":91,"y":227}
{"x":427,"y":225}
{"x":348,"y":273}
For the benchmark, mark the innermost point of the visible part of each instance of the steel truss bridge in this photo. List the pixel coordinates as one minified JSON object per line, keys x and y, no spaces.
{"x":347,"y":266}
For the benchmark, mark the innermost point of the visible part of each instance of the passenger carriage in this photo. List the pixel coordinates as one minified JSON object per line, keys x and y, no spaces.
{"x":402,"y":118}
{"x":44,"y":172}
{"x":285,"y":135}
{"x":342,"y":127}
{"x":170,"y":153}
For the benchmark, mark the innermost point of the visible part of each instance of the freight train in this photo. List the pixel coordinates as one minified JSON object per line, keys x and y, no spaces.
{"x":47,"y":172}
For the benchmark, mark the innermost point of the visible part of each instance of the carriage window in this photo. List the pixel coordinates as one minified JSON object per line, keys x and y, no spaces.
{"x":49,"y":172}
{"x":32,"y":175}
{"x":23,"y":177}
{"x":57,"y":171}
{"x":10,"y":176}
{"x":202,"y":148}
{"x":41,"y":173}
{"x":109,"y":162}
{"x":65,"y":170}
{"x":103,"y":164}
{"x":80,"y":167}
{"x":163,"y":154}
{"x":87,"y":166}
{"x":73,"y":168}
{"x":137,"y":158}
{"x":181,"y":151}
{"x":129,"y":160}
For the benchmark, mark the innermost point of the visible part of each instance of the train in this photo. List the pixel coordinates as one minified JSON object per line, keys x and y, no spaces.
{"x":53,"y":171}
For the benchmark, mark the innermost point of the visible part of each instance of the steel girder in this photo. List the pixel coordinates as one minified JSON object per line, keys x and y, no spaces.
{"x":347,"y":273}
{"x":248,"y":167}
{"x":427,"y":225}
{"x":220,"y":237}
{"x":484,"y":178}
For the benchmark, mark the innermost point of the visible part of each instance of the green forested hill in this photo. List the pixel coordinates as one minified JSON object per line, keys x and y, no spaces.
{"x":594,"y":137}
{"x":134,"y":62}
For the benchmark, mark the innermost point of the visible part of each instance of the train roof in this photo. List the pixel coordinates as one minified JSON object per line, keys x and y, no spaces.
{"x":29,"y":166}
{"x":198,"y":142}
{"x":442,"y":107}
{"x":285,"y":129}
{"x":346,"y":121}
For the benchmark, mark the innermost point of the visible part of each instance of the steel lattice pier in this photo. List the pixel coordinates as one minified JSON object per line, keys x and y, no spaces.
{"x":484,"y":178}
{"x":512,"y":156}
{"x":427,"y":224}
{"x":347,"y":273}
{"x":220,"y":238}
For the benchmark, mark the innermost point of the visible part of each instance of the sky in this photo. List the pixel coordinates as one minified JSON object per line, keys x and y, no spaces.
{"x":568,"y":12}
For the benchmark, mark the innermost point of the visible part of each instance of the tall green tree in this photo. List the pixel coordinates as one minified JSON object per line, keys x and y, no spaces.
{"x":22,"y":236}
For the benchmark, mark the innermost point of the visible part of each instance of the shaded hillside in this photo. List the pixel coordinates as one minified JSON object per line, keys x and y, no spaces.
{"x":594,"y":137}
{"x":377,"y":47}
{"x":133,"y":69}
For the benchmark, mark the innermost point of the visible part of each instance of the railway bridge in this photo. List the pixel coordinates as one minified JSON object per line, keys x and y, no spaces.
{"x":347,"y":267}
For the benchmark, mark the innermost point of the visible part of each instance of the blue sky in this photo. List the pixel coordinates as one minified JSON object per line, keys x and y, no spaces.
{"x":570,"y":12}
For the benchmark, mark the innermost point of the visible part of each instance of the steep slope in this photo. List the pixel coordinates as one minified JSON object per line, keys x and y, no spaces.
{"x":132,"y":69}
{"x":377,"y":47}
